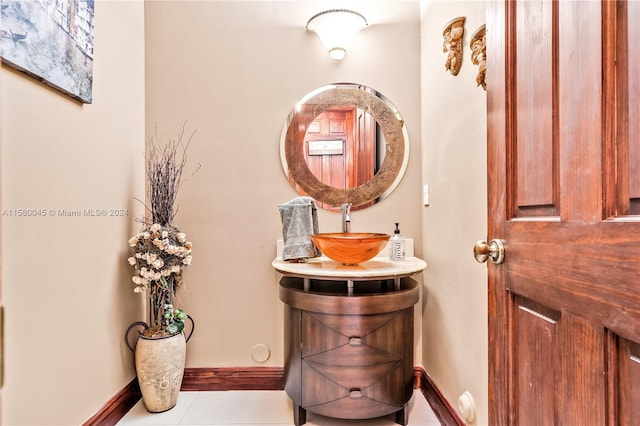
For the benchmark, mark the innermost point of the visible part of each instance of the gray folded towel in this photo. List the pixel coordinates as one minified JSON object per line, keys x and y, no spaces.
{"x":299,"y":221}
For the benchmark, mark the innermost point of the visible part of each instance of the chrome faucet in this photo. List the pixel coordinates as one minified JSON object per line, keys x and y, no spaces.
{"x":345,"y":208}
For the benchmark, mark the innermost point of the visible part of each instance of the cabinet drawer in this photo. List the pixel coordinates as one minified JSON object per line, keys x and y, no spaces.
{"x":352,"y":408}
{"x":353,"y":355}
{"x":384,"y":332}
{"x":376,"y":384}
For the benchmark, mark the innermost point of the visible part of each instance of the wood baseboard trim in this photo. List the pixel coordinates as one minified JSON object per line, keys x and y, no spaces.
{"x":119,"y":405}
{"x":447,"y":415}
{"x":195,"y":379}
{"x":252,"y":378}
{"x":233,"y":378}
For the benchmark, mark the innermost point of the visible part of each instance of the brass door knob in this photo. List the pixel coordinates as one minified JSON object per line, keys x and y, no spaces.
{"x":493,"y":251}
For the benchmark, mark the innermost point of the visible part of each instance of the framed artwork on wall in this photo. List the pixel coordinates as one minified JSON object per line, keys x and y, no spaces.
{"x":52,"y":41}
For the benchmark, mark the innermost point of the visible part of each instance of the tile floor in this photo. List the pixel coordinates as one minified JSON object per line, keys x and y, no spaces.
{"x":258,"y":408}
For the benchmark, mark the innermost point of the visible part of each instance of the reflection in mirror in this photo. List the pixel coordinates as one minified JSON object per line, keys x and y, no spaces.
{"x":344,"y":143}
{"x":342,"y":146}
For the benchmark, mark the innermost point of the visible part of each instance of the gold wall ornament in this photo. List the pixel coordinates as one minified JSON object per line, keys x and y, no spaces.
{"x":452,"y":34}
{"x":478,"y":47}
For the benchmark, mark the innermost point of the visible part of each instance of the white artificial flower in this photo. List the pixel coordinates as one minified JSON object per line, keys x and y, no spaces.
{"x":159,"y":263}
{"x":155,"y":227}
{"x":146,"y":235}
{"x":138,"y":289}
{"x":164,"y":234}
{"x":181,"y":236}
{"x":137,"y":280}
{"x":133,"y":241}
{"x":132,"y":260}
{"x":175,"y":268}
{"x":187,"y":260}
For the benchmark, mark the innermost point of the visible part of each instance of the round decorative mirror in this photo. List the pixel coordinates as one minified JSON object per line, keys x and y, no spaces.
{"x":344,"y":143}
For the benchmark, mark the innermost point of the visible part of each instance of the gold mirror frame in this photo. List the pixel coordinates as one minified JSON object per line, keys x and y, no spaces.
{"x":390,"y":122}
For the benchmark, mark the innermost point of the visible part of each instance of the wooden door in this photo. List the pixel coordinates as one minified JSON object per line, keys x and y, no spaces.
{"x":563,"y":92}
{"x":340,"y":148}
{"x":331,"y":159}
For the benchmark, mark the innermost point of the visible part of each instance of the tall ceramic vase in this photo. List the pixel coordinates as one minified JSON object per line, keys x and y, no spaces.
{"x":160,"y":368}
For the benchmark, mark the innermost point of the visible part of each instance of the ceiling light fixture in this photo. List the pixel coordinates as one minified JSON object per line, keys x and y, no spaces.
{"x":336,"y":29}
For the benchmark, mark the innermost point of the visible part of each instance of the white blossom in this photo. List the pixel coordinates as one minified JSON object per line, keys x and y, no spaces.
{"x":164,"y":251}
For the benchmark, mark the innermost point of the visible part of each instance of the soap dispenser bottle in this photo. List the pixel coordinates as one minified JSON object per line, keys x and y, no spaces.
{"x":396,"y":245}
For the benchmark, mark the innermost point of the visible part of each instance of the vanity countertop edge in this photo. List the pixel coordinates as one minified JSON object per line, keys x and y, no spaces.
{"x":324,"y":268}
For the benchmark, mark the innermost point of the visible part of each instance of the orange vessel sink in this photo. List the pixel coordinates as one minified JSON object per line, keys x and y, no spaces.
{"x":350,"y":248}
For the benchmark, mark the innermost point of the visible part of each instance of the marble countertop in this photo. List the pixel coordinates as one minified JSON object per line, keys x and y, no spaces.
{"x":376,"y":268}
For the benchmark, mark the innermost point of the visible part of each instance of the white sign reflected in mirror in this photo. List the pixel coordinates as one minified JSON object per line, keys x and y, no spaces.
{"x":344,"y":143}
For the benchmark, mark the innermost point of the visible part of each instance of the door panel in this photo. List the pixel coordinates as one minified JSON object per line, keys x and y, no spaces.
{"x":535,"y":184}
{"x":563,"y":154}
{"x":628,"y":124}
{"x":536,"y":328}
{"x":629,"y":379}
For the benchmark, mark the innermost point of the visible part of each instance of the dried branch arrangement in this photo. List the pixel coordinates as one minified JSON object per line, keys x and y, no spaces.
{"x":165,"y":165}
{"x":160,"y":251}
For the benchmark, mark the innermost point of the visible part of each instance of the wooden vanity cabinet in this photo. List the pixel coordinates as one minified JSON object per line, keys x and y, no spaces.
{"x":349,"y":352}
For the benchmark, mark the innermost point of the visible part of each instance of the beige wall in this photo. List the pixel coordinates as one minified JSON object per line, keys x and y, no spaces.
{"x":234,"y":70}
{"x":65,"y":280}
{"x":454,"y":167}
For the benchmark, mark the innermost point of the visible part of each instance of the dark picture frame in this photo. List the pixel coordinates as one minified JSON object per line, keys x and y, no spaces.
{"x":52,"y":41}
